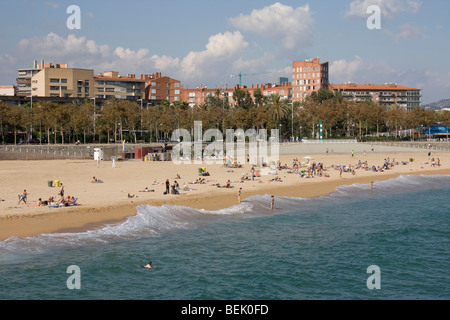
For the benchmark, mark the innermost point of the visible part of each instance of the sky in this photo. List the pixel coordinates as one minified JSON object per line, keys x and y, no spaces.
{"x":202,"y":42}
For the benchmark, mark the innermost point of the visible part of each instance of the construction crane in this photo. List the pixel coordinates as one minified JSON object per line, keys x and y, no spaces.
{"x":240,"y":75}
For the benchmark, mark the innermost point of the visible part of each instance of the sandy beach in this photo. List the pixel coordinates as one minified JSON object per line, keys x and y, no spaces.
{"x":100,"y":204}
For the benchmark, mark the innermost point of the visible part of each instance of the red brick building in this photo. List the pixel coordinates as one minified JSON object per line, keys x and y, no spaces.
{"x":198,"y":95}
{"x":158,"y":87}
{"x":308,"y":76}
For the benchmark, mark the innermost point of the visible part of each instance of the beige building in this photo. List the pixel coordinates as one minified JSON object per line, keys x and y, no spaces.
{"x":24,"y":76}
{"x":389,"y":94}
{"x":111,"y":84}
{"x":63,"y":82}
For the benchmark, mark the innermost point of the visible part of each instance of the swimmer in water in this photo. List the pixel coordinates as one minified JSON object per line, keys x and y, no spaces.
{"x":149,"y":265}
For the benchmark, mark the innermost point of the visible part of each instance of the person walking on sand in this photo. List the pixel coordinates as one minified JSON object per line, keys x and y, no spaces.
{"x":272,"y":203}
{"x":23,"y":197}
{"x":61,"y":191}
{"x":239,"y":195}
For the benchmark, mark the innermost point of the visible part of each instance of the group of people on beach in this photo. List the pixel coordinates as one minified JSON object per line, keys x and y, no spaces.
{"x":172,"y":189}
{"x":63,"y":201}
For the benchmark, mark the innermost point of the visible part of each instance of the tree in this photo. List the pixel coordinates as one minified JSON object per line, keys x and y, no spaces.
{"x":15,"y":119}
{"x":278,"y":110}
{"x":258,"y":98}
{"x":243,"y":99}
{"x":4,"y":107}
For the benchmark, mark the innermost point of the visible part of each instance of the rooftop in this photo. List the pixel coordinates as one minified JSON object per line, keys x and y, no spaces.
{"x":370,"y":87}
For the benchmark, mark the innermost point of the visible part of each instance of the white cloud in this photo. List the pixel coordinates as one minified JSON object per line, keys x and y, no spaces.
{"x":408,"y":32}
{"x":389,"y":8}
{"x":280,"y":23}
{"x":220,"y":52}
{"x":222,"y":47}
{"x":52,"y":5}
{"x":128,"y":54}
{"x":53,"y":45}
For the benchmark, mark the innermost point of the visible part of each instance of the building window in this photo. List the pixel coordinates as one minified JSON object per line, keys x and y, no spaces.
{"x":153,"y":84}
{"x":177,"y":91}
{"x":54,"y":80}
{"x":54,"y":88}
{"x":63,"y":80}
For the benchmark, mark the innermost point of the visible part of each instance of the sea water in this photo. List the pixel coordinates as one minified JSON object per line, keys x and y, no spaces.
{"x":318,"y":248}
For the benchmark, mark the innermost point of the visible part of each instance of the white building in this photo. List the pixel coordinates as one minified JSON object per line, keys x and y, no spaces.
{"x":8,"y":90}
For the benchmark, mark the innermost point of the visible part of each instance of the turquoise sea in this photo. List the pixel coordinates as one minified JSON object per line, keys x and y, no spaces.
{"x":307,"y":249}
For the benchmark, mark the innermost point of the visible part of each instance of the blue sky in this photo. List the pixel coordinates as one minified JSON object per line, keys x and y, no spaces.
{"x":203,"y":42}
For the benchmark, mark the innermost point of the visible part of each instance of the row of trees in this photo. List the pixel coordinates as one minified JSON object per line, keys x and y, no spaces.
{"x":123,"y":119}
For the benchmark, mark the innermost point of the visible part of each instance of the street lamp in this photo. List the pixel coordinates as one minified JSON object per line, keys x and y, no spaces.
{"x":142,"y":101}
{"x":31,"y":110}
{"x":94,"y":118}
{"x":292,"y":122}
{"x":280,"y":131}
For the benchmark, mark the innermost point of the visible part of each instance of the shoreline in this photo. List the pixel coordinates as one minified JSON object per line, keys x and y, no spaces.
{"x":82,"y":219}
{"x":107,"y":203}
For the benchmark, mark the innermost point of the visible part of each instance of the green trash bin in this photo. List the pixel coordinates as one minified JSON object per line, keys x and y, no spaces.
{"x":50,"y":183}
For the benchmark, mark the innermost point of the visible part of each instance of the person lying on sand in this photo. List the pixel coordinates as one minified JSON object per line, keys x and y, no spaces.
{"x":147,"y":190}
{"x":132,"y":196}
{"x":42,"y":203}
{"x":95,"y":180}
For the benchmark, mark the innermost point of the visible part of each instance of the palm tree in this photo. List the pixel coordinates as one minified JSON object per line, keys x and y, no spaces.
{"x":278,"y":110}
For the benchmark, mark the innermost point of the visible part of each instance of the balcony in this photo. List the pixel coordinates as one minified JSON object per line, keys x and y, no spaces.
{"x":23,"y":81}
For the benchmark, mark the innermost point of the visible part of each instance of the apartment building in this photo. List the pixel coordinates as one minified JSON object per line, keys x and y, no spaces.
{"x":23,"y":79}
{"x":158,"y":87}
{"x":308,"y":76}
{"x":111,"y":84}
{"x":63,"y":82}
{"x":198,"y":95}
{"x":388,"y":94}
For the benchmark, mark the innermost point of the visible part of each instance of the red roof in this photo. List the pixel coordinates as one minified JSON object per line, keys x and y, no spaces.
{"x":370,"y":87}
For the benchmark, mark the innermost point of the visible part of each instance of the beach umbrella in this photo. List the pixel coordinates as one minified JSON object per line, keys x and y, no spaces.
{"x":308,"y":157}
